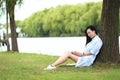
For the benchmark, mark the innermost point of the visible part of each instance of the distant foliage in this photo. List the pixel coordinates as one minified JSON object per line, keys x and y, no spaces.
{"x":66,"y":20}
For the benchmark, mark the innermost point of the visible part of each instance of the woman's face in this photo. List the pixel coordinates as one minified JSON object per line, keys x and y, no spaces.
{"x":91,"y":33}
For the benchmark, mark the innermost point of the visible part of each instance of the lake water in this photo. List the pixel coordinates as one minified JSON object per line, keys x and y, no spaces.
{"x":50,"y":45}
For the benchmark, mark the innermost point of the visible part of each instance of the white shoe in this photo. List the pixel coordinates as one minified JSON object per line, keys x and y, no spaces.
{"x":50,"y":67}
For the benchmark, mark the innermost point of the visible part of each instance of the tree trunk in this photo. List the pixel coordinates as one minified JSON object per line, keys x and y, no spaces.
{"x":7,"y":38}
{"x":13,"y":32}
{"x":109,"y":31}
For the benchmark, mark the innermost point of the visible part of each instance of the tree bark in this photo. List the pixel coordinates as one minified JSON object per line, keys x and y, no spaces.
{"x":109,"y":31}
{"x":13,"y":32}
{"x":10,"y":8}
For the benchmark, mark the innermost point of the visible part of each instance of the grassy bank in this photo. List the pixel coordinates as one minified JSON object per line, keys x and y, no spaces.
{"x":20,"y":66}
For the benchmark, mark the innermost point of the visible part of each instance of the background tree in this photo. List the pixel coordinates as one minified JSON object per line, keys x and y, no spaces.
{"x":3,"y":9}
{"x":10,"y":7}
{"x":66,"y":20}
{"x":109,"y":31}
{"x":7,"y":37}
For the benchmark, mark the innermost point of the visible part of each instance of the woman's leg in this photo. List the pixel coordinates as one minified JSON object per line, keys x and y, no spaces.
{"x":64,"y":58}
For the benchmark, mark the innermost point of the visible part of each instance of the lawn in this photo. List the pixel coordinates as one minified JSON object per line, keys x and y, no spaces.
{"x":21,"y":66}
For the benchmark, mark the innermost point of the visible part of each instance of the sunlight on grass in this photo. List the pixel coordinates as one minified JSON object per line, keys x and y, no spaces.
{"x":21,"y":66}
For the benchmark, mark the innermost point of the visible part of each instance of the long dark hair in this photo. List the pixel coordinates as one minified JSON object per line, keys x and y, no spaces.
{"x":91,"y":27}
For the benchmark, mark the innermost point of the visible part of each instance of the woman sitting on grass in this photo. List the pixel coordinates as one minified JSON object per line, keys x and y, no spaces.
{"x":86,"y":58}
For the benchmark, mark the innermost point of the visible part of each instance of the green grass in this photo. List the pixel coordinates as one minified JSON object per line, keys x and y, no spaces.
{"x":21,"y":66}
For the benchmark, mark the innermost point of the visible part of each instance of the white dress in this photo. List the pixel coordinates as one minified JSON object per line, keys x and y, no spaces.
{"x":93,"y":47}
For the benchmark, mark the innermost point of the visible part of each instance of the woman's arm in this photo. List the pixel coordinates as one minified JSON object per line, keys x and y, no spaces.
{"x":86,"y":54}
{"x":82,"y":54}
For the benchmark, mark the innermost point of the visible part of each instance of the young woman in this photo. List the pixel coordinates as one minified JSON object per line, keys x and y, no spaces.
{"x":86,"y":58}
